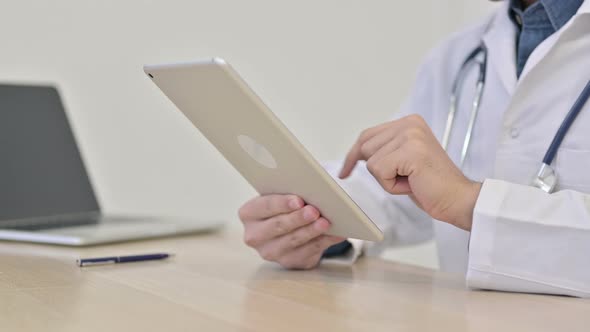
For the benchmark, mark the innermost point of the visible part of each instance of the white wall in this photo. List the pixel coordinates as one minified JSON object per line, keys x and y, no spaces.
{"x":328,"y":68}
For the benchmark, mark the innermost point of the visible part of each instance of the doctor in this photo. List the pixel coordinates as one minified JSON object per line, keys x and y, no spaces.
{"x":497,"y":216}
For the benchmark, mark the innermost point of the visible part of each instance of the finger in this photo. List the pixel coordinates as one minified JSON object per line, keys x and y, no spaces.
{"x":264,"y":207}
{"x":352,"y":158}
{"x":282,"y":245}
{"x":257,"y":233}
{"x":391,"y":173}
{"x":385,"y":170}
{"x":376,"y":163}
{"x":390,"y":147}
{"x":309,"y":255}
{"x":372,"y":146}
{"x":355,"y":154}
{"x":371,"y":132}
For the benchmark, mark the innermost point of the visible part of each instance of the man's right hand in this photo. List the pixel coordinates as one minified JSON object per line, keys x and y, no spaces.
{"x":283,"y":229}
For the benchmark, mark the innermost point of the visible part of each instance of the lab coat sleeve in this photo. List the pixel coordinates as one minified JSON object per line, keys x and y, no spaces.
{"x":525,"y":240}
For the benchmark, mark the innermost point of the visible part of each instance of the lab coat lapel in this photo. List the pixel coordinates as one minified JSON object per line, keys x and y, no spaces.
{"x":500,"y":40}
{"x":546,"y":61}
{"x":541,"y":51}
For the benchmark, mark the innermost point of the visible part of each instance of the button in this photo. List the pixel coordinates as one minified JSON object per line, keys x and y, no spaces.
{"x":514,"y":132}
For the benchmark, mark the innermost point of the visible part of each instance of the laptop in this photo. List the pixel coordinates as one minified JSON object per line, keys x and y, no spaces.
{"x":46,"y":195}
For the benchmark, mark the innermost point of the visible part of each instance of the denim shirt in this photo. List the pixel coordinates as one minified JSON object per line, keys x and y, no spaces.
{"x":537,"y":22}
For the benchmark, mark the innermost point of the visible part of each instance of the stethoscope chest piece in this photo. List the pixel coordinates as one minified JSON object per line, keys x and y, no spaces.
{"x":546,"y":179}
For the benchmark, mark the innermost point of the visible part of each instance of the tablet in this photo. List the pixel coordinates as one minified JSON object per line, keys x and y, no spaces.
{"x":231,"y":116}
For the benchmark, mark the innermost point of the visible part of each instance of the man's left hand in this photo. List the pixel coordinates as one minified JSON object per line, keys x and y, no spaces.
{"x":406,"y":158}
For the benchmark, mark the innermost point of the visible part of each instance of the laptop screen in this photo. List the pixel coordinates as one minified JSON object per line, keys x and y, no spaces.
{"x":41,"y":170}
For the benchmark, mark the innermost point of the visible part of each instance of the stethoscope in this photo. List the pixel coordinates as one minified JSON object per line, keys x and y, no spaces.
{"x":546,"y":178}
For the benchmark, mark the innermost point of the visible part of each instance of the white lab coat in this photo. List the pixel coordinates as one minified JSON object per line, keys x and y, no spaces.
{"x":522,"y":239}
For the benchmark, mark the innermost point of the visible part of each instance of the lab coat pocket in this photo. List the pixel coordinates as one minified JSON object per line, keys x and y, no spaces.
{"x":573,"y":169}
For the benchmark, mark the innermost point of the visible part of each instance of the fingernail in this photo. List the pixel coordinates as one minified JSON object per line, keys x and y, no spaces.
{"x":294,"y":203}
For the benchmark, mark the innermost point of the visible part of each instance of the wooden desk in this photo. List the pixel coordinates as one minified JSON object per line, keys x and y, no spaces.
{"x":216,"y":284}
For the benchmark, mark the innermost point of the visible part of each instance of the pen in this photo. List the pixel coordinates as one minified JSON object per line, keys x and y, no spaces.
{"x":121,"y":259}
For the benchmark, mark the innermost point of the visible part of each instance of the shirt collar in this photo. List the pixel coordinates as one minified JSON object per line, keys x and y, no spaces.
{"x":559,"y":12}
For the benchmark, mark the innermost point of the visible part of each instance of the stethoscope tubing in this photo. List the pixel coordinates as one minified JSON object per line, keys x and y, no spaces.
{"x":470,"y":60}
{"x":566,"y":124}
{"x":546,"y":178}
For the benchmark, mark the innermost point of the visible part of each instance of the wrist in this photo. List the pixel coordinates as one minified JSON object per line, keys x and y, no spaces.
{"x":468,"y":198}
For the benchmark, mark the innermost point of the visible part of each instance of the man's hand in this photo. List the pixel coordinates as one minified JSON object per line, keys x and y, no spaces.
{"x":406,"y":158}
{"x":285,"y":230}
